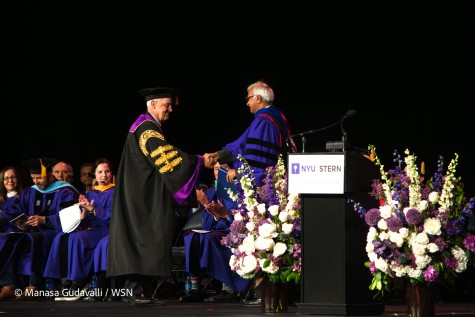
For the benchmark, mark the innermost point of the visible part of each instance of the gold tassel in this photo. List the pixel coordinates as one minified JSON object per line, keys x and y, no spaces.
{"x":423,"y":168}
{"x":43,"y":169}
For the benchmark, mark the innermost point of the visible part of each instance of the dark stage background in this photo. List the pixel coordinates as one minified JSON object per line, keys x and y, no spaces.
{"x":71,"y":71}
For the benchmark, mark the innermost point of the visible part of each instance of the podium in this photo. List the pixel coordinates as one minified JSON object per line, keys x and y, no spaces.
{"x":334,"y":279}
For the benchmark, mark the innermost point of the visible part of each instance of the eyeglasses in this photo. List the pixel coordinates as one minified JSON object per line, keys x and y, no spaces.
{"x":9,"y":178}
{"x":249,"y":97}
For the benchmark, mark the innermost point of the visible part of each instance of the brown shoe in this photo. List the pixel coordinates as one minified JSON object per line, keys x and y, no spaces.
{"x":28,"y":293}
{"x":7,"y":292}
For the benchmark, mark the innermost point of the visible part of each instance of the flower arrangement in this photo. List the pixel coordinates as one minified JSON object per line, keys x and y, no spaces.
{"x":265,"y":234}
{"x":419,"y":232}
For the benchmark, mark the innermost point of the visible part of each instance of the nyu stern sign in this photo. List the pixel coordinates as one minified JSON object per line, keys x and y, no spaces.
{"x":316,"y":173}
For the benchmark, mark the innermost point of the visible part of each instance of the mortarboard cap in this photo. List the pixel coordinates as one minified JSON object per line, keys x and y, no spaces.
{"x":159,"y":92}
{"x":39,"y":165}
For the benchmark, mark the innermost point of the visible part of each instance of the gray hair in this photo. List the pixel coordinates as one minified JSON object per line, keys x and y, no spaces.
{"x":260,"y":88}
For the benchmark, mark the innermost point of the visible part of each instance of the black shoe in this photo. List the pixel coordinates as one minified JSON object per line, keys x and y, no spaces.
{"x":136,"y":300}
{"x":225,"y":297}
{"x":192,"y":296}
{"x":253,"y":298}
{"x":155,"y":301}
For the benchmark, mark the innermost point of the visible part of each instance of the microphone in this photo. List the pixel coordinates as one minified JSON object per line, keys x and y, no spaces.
{"x":344,"y":137}
{"x":348,"y":114}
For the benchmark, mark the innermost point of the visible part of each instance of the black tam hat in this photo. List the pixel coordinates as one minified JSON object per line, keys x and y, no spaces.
{"x":39,"y":165}
{"x":159,"y":92}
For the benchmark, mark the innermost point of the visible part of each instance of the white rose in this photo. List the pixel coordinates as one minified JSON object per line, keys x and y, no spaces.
{"x":396,"y":238}
{"x":274,"y":210}
{"x":372,"y":234}
{"x":381,"y":265}
{"x":261,"y":208}
{"x":283,"y":216}
{"x":386,"y":211}
{"x":267,"y":230}
{"x":423,"y":205}
{"x":250,"y":226}
{"x":372,"y":256}
{"x":432,"y":247}
{"x":287,"y":228}
{"x":432,"y":226}
{"x":419,"y":249}
{"x":279,"y":249}
{"x":249,"y":264}
{"x":434,"y":197}
{"x":247,"y":245}
{"x":264,"y":243}
{"x":422,"y":238}
{"x":382,"y":224}
{"x":238,"y":217}
{"x":404,"y":232}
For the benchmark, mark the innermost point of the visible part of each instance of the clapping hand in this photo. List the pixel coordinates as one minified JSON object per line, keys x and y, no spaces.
{"x":217,"y":209}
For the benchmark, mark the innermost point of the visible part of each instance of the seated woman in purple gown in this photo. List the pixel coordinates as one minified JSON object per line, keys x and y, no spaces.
{"x":72,"y":254}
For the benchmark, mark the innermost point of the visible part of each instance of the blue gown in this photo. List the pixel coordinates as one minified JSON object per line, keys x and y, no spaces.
{"x":83,"y":241}
{"x":32,"y":246}
{"x":262,"y":142}
{"x":213,"y":257}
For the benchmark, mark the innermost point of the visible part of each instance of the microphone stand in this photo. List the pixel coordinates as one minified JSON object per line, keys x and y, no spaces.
{"x":303,"y":143}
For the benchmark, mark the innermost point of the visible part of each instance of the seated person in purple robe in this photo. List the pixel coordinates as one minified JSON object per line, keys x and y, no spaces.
{"x":13,"y":180}
{"x":72,"y":254}
{"x":23,"y":254}
{"x":204,"y":252}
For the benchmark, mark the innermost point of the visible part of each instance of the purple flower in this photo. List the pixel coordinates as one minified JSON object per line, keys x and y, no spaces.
{"x":430,"y":274}
{"x":394,"y":224}
{"x":413,"y":216}
{"x":469,"y":243}
{"x":440,"y":242}
{"x":451,"y":263}
{"x":372,"y":217}
{"x":453,"y":228}
{"x":372,"y":268}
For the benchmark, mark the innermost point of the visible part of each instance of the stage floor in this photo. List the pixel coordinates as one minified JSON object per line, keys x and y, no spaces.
{"x":173,"y":308}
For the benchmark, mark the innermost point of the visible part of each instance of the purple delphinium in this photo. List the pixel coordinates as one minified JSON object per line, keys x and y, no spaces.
{"x":469,"y":243}
{"x":394,"y":224}
{"x":372,"y":217}
{"x":431,"y":274}
{"x":413,"y":216}
{"x":453,"y":228}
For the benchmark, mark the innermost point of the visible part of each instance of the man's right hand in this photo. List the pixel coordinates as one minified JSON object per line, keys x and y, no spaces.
{"x":210,"y":159}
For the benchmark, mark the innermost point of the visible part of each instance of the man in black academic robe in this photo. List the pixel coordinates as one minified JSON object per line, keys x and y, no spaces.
{"x":151,"y":174}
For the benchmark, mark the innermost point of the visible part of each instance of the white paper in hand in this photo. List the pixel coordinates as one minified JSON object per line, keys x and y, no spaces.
{"x":70,"y":218}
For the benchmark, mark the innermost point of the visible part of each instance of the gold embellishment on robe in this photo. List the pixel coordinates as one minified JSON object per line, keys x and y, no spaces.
{"x":168,"y":158}
{"x":147,"y":135}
